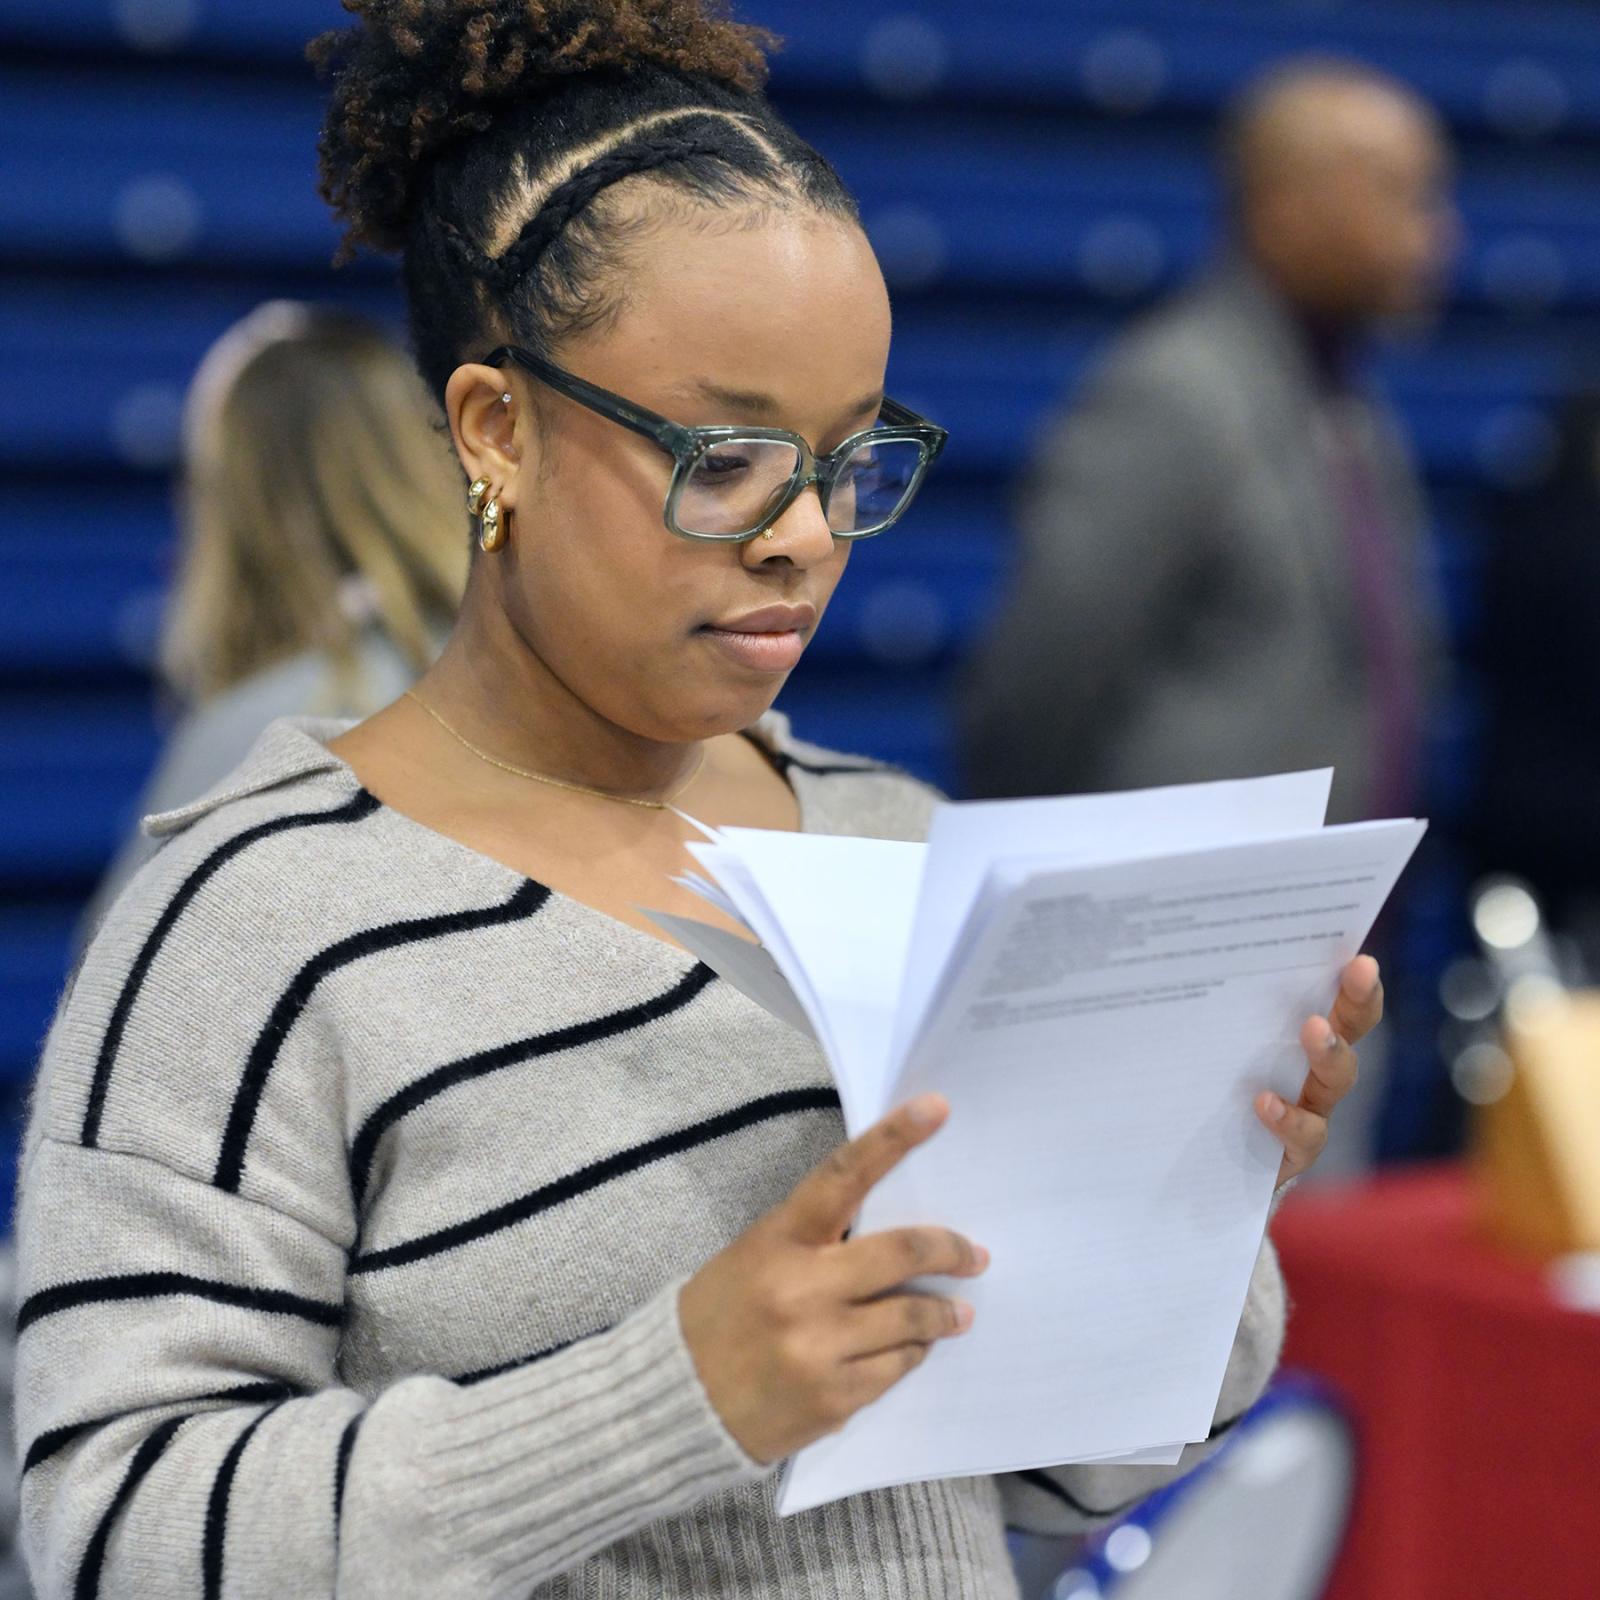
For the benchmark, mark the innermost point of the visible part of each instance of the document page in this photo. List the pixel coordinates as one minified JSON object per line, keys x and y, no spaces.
{"x":844,"y":907}
{"x":1101,"y":1046}
{"x":967,"y":839}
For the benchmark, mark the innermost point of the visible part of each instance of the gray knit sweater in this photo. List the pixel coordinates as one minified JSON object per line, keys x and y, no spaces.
{"x":360,"y":1180}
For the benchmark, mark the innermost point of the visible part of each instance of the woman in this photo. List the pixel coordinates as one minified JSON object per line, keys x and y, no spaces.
{"x":320,"y":566}
{"x":401,"y":1214}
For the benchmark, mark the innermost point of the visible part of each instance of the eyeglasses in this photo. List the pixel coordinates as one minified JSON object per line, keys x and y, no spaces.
{"x":733,"y":483}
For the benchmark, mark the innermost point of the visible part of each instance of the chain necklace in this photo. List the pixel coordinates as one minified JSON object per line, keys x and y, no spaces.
{"x":558,"y":783}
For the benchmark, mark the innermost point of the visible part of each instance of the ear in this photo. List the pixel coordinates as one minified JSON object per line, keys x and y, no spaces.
{"x":485,"y":427}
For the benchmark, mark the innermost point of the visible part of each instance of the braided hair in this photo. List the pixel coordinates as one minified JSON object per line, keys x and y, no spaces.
{"x":506,"y":149}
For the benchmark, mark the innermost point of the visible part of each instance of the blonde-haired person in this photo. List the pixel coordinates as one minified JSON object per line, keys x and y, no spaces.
{"x":324,"y":546}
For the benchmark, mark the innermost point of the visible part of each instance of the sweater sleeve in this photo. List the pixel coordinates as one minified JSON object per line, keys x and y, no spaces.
{"x":1072,"y":1499}
{"x":184,"y":1432}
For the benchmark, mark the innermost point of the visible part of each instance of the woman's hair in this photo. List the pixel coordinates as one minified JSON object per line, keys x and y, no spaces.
{"x":506,"y":148}
{"x":319,"y":497}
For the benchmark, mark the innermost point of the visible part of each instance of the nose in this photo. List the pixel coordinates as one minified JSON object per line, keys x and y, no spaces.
{"x":800,"y":536}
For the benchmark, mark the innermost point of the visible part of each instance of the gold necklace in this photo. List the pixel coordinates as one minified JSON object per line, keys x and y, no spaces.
{"x":558,"y":783}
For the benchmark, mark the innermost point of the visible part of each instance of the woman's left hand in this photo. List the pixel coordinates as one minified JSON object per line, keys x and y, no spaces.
{"x":1328,"y":1042}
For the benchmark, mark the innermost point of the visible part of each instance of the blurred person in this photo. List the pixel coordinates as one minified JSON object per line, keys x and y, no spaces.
{"x":1537,"y":792}
{"x":323,"y":549}
{"x":1219,"y":544}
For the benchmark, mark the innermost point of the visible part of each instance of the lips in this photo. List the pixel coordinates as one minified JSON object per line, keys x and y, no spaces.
{"x":769,"y":640}
{"x":770,"y":619}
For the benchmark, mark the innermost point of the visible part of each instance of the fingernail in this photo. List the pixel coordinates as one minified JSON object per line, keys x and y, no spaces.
{"x":980,"y":1258}
{"x":1331,"y":1042}
{"x":964,"y":1315}
{"x":923,"y":1112}
{"x":1276,"y":1109}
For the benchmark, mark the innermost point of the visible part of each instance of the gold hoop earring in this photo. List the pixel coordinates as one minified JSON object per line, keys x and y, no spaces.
{"x":492,"y":527}
{"x":475,"y":496}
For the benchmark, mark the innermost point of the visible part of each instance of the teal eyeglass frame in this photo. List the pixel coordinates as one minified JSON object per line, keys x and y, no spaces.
{"x":688,"y":445}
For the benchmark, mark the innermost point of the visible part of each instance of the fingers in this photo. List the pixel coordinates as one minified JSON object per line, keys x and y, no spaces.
{"x":873,"y":1376}
{"x":1332,"y":1067}
{"x":822,"y":1204}
{"x":874,"y":1264}
{"x":1358,"y":1007}
{"x":1302,"y":1133}
{"x":901,"y":1319}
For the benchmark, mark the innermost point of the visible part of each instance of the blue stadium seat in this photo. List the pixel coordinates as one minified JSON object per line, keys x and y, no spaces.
{"x":1030,"y":171}
{"x":1531,"y":68}
{"x":35,"y":952}
{"x":113,"y":175}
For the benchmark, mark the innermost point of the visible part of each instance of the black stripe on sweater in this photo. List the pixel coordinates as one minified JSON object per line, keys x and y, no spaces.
{"x":786,"y":764}
{"x":55,"y":1439}
{"x":149,"y":1285}
{"x":144,"y":1458}
{"x":341,"y":1467}
{"x":785,"y":1103}
{"x":360,"y":805}
{"x":363,"y":1149}
{"x":215,"y":1539}
{"x":527,"y":899}
{"x":1041,"y":1480}
{"x":483,"y":1374}
{"x":1221,"y":1428}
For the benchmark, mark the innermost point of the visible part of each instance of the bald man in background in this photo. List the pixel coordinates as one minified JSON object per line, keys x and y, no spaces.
{"x":1219,"y":563}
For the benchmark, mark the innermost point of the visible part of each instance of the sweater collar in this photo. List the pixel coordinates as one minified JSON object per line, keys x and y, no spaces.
{"x":296,"y":747}
{"x":288,"y":749}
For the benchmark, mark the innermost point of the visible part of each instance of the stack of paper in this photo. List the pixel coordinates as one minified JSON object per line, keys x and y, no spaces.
{"x":1100,"y":985}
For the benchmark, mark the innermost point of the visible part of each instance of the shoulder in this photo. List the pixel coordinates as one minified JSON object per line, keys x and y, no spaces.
{"x":280,"y":947}
{"x":248,"y":882}
{"x":1175,"y":355}
{"x":249,"y":852}
{"x":1166,"y":397}
{"x":849,"y":794}
{"x":215,"y":737}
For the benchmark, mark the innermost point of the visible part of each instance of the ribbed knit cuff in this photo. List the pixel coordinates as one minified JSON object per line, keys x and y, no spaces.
{"x":542,"y":1465}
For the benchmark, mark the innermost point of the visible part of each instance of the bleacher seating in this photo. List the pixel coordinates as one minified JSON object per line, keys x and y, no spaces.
{"x":1031,"y":171}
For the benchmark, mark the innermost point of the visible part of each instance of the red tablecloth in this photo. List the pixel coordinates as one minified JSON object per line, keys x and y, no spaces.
{"x":1476,"y":1395}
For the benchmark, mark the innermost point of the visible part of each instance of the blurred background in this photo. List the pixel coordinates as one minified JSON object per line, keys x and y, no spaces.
{"x":1035,"y":174}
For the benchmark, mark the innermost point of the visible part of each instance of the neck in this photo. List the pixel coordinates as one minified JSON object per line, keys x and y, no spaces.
{"x":495,"y":690}
{"x":1331,"y":335}
{"x":1330,"y":341}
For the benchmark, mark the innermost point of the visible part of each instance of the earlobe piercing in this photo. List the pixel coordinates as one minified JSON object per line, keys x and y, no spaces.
{"x":506,"y":398}
{"x":491,"y":522}
{"x":491,"y":527}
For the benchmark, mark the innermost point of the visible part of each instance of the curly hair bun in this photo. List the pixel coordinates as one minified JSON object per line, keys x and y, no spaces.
{"x":414,"y":76}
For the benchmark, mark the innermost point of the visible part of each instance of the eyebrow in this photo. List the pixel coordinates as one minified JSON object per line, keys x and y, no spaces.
{"x":765,"y":405}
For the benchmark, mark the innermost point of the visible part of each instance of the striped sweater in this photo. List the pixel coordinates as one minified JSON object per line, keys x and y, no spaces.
{"x":359,"y":1183}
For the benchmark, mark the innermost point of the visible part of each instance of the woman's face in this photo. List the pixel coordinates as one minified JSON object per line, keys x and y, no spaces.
{"x":785,"y":324}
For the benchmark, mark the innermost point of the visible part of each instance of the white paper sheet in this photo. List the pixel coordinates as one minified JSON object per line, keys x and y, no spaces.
{"x":748,"y":967}
{"x":966,"y":840}
{"x":844,"y":906}
{"x":1100,"y":985}
{"x":1101,"y":1048}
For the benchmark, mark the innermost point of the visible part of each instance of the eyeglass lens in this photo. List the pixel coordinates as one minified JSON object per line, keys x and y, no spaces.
{"x":732,"y":488}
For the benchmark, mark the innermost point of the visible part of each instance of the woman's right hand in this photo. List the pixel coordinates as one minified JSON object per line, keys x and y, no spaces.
{"x":793,"y":1328}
